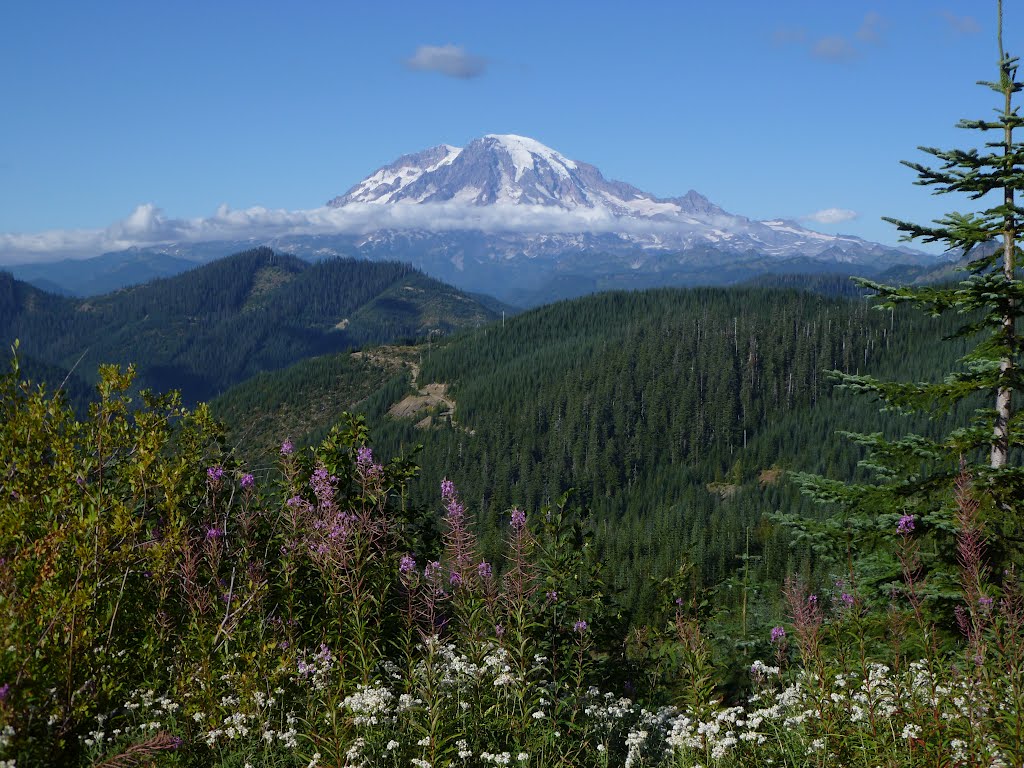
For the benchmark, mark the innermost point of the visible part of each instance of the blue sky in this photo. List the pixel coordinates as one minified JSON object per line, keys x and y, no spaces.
{"x":769,"y":109}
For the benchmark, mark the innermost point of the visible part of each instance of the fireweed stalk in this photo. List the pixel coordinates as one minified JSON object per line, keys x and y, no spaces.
{"x":518,"y":585}
{"x":471,"y":586}
{"x":352,"y":551}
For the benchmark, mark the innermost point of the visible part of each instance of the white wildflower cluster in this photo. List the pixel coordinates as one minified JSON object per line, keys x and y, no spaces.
{"x":618,"y":720}
{"x":500,"y":758}
{"x":235,"y":726}
{"x":355,"y":752}
{"x":6,"y":737}
{"x":716,"y":735}
{"x":861,"y":706}
{"x":146,"y":701}
{"x":760,"y":671}
{"x":806,"y":717}
{"x":252,"y":720}
{"x":145,"y":713}
{"x":370,"y":705}
{"x":456,"y":671}
{"x":407,"y":701}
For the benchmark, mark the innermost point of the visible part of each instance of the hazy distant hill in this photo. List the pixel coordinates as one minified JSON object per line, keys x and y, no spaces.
{"x":219,"y":324}
{"x":102,"y":274}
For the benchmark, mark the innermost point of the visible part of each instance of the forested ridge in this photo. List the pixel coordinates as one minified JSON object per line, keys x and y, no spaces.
{"x":219,"y":324}
{"x":674,"y":414}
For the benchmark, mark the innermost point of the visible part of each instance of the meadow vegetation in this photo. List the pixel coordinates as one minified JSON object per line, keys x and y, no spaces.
{"x":162,"y":604}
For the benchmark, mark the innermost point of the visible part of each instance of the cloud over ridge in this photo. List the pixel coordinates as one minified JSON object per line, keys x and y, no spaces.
{"x":831,"y":216}
{"x":149,"y":225}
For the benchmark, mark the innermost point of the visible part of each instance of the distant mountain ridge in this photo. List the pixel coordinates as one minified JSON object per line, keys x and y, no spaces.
{"x":219,"y":324}
{"x":510,"y":217}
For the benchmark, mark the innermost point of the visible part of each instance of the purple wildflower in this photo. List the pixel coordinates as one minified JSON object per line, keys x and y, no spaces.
{"x":985,"y":602}
{"x":499,"y":630}
{"x":778,"y":634}
{"x":518,"y":518}
{"x":287,"y":448}
{"x":81,"y":481}
{"x":552,"y":596}
{"x":431,"y":568}
{"x":905,"y":526}
{"x":447,"y":489}
{"x":484,"y":570}
{"x":323,"y":487}
{"x":580,"y":626}
{"x":364,"y":457}
{"x":455,"y":579}
{"x":295,"y":501}
{"x":5,"y":691}
{"x":248,"y":481}
{"x":213,"y":532}
{"x":406,"y":565}
{"x":215,"y":473}
{"x":846,"y":599}
{"x":812,"y":601}
{"x":456,"y":510}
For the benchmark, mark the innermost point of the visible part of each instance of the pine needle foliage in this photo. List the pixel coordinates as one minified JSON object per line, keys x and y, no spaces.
{"x":913,"y":475}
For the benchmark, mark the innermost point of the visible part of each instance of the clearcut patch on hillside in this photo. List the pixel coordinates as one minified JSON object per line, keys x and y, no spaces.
{"x":432,"y":396}
{"x":431,"y":404}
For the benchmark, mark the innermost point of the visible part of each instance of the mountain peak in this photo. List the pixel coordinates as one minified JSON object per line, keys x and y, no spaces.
{"x":693,"y":202}
{"x":503,"y":169}
{"x":524,"y":150}
{"x":553,"y":196}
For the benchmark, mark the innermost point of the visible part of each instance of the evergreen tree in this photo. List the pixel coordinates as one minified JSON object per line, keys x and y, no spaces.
{"x":914,"y":474}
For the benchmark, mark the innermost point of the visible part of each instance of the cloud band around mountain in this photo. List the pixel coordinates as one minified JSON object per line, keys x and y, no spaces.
{"x":149,"y":225}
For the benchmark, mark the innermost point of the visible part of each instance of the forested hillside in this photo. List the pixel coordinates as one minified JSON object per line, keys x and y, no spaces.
{"x":301,"y":401}
{"x":673,"y":413}
{"x":219,"y":324}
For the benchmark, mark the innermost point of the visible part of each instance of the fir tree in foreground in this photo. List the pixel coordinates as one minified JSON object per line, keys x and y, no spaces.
{"x":915,"y":474}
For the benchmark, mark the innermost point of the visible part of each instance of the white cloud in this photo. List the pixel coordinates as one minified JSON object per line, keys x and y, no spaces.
{"x":148,"y":225}
{"x":450,"y":60}
{"x":834,"y":47}
{"x":831,"y":216}
{"x":961,"y":25}
{"x":872,"y":28}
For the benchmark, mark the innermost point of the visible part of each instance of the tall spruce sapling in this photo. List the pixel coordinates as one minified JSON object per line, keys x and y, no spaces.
{"x":914,"y":475}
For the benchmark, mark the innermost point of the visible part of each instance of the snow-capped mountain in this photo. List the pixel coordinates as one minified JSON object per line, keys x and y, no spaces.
{"x":503,"y":170}
{"x":509,"y":216}
{"x":512,"y":173}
